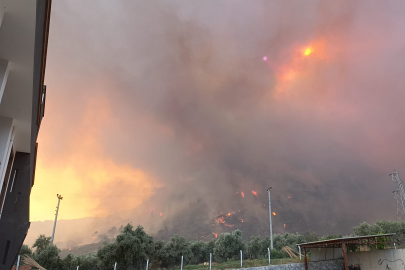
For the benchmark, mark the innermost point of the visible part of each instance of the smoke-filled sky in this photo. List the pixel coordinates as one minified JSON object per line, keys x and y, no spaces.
{"x":189,"y":102}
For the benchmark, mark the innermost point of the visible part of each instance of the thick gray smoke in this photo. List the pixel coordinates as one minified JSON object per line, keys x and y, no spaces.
{"x":201,"y":111}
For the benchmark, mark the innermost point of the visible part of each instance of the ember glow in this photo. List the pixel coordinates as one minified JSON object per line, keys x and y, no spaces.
{"x":243,"y":194}
{"x":274,"y":214}
{"x":161,"y":214}
{"x":222,"y":220}
{"x":308,"y":51}
{"x":284,"y":225}
{"x":215,"y":234}
{"x":241,"y":220}
{"x":254,"y":193}
{"x":94,"y":237}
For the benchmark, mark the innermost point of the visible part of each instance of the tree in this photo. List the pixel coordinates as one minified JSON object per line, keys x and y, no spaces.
{"x":48,"y":257}
{"x":254,"y":248}
{"x":86,"y":262}
{"x":200,"y":252}
{"x":172,"y":251}
{"x":331,"y":236}
{"x":228,"y":245}
{"x":42,"y":243}
{"x":25,"y":251}
{"x":67,"y":262}
{"x":130,"y":249}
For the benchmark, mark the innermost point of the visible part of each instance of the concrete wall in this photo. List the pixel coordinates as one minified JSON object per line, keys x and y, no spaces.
{"x":322,"y":265}
{"x":378,"y":259}
{"x":325,"y":254}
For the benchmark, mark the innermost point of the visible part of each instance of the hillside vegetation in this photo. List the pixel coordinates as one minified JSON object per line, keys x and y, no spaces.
{"x":133,"y":247}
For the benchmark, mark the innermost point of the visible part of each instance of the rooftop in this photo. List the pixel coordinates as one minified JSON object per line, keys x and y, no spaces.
{"x":347,"y":240}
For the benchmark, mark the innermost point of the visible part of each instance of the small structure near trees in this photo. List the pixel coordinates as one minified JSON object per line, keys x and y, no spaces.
{"x":343,"y":245}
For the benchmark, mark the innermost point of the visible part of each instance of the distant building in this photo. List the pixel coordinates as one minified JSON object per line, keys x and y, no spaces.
{"x":24,"y":28}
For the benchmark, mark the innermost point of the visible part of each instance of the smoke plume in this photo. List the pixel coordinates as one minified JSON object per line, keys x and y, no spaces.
{"x":162,"y":113}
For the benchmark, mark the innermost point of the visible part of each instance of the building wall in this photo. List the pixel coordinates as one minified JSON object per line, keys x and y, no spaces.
{"x":14,"y":222}
{"x":23,"y":47}
{"x":325,"y":254}
{"x":378,"y":259}
{"x":321,"y":265}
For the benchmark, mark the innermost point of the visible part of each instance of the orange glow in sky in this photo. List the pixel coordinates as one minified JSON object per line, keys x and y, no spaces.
{"x":297,"y":67}
{"x":92,"y":184}
{"x":308,"y":51}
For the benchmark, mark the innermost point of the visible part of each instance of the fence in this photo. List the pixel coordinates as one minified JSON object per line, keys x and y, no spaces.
{"x":181,"y":261}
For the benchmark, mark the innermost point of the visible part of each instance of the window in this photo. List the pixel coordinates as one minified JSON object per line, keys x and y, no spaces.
{"x":6,"y":252}
{"x":13,"y":179}
{"x":6,"y":180}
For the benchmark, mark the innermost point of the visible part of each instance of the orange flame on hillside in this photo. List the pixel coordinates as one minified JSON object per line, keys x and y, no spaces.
{"x":241,"y":220}
{"x":274,"y":214}
{"x":94,"y":237}
{"x":243,"y":194}
{"x":70,"y":248}
{"x":289,"y":197}
{"x":254,"y":193}
{"x":284,"y":225}
{"x":215,"y":234}
{"x":161,"y":214}
{"x":220,"y":220}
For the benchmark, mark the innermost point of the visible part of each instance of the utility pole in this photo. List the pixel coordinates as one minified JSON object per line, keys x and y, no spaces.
{"x":271,"y":226}
{"x":56,"y":217}
{"x":399,"y":195}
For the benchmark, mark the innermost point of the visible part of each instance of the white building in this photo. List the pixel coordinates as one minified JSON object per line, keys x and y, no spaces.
{"x":24,"y":28}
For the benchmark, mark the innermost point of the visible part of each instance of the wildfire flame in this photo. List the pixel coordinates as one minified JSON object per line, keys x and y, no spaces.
{"x":243,"y":194}
{"x":94,"y":237}
{"x":284,"y":225}
{"x":215,"y":234}
{"x":308,"y":51}
{"x":161,"y":214}
{"x":254,"y":193}
{"x":241,"y":220}
{"x":221,"y":220}
{"x":289,"y":197}
{"x":274,"y":214}
{"x":298,"y":66}
{"x":70,"y":248}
